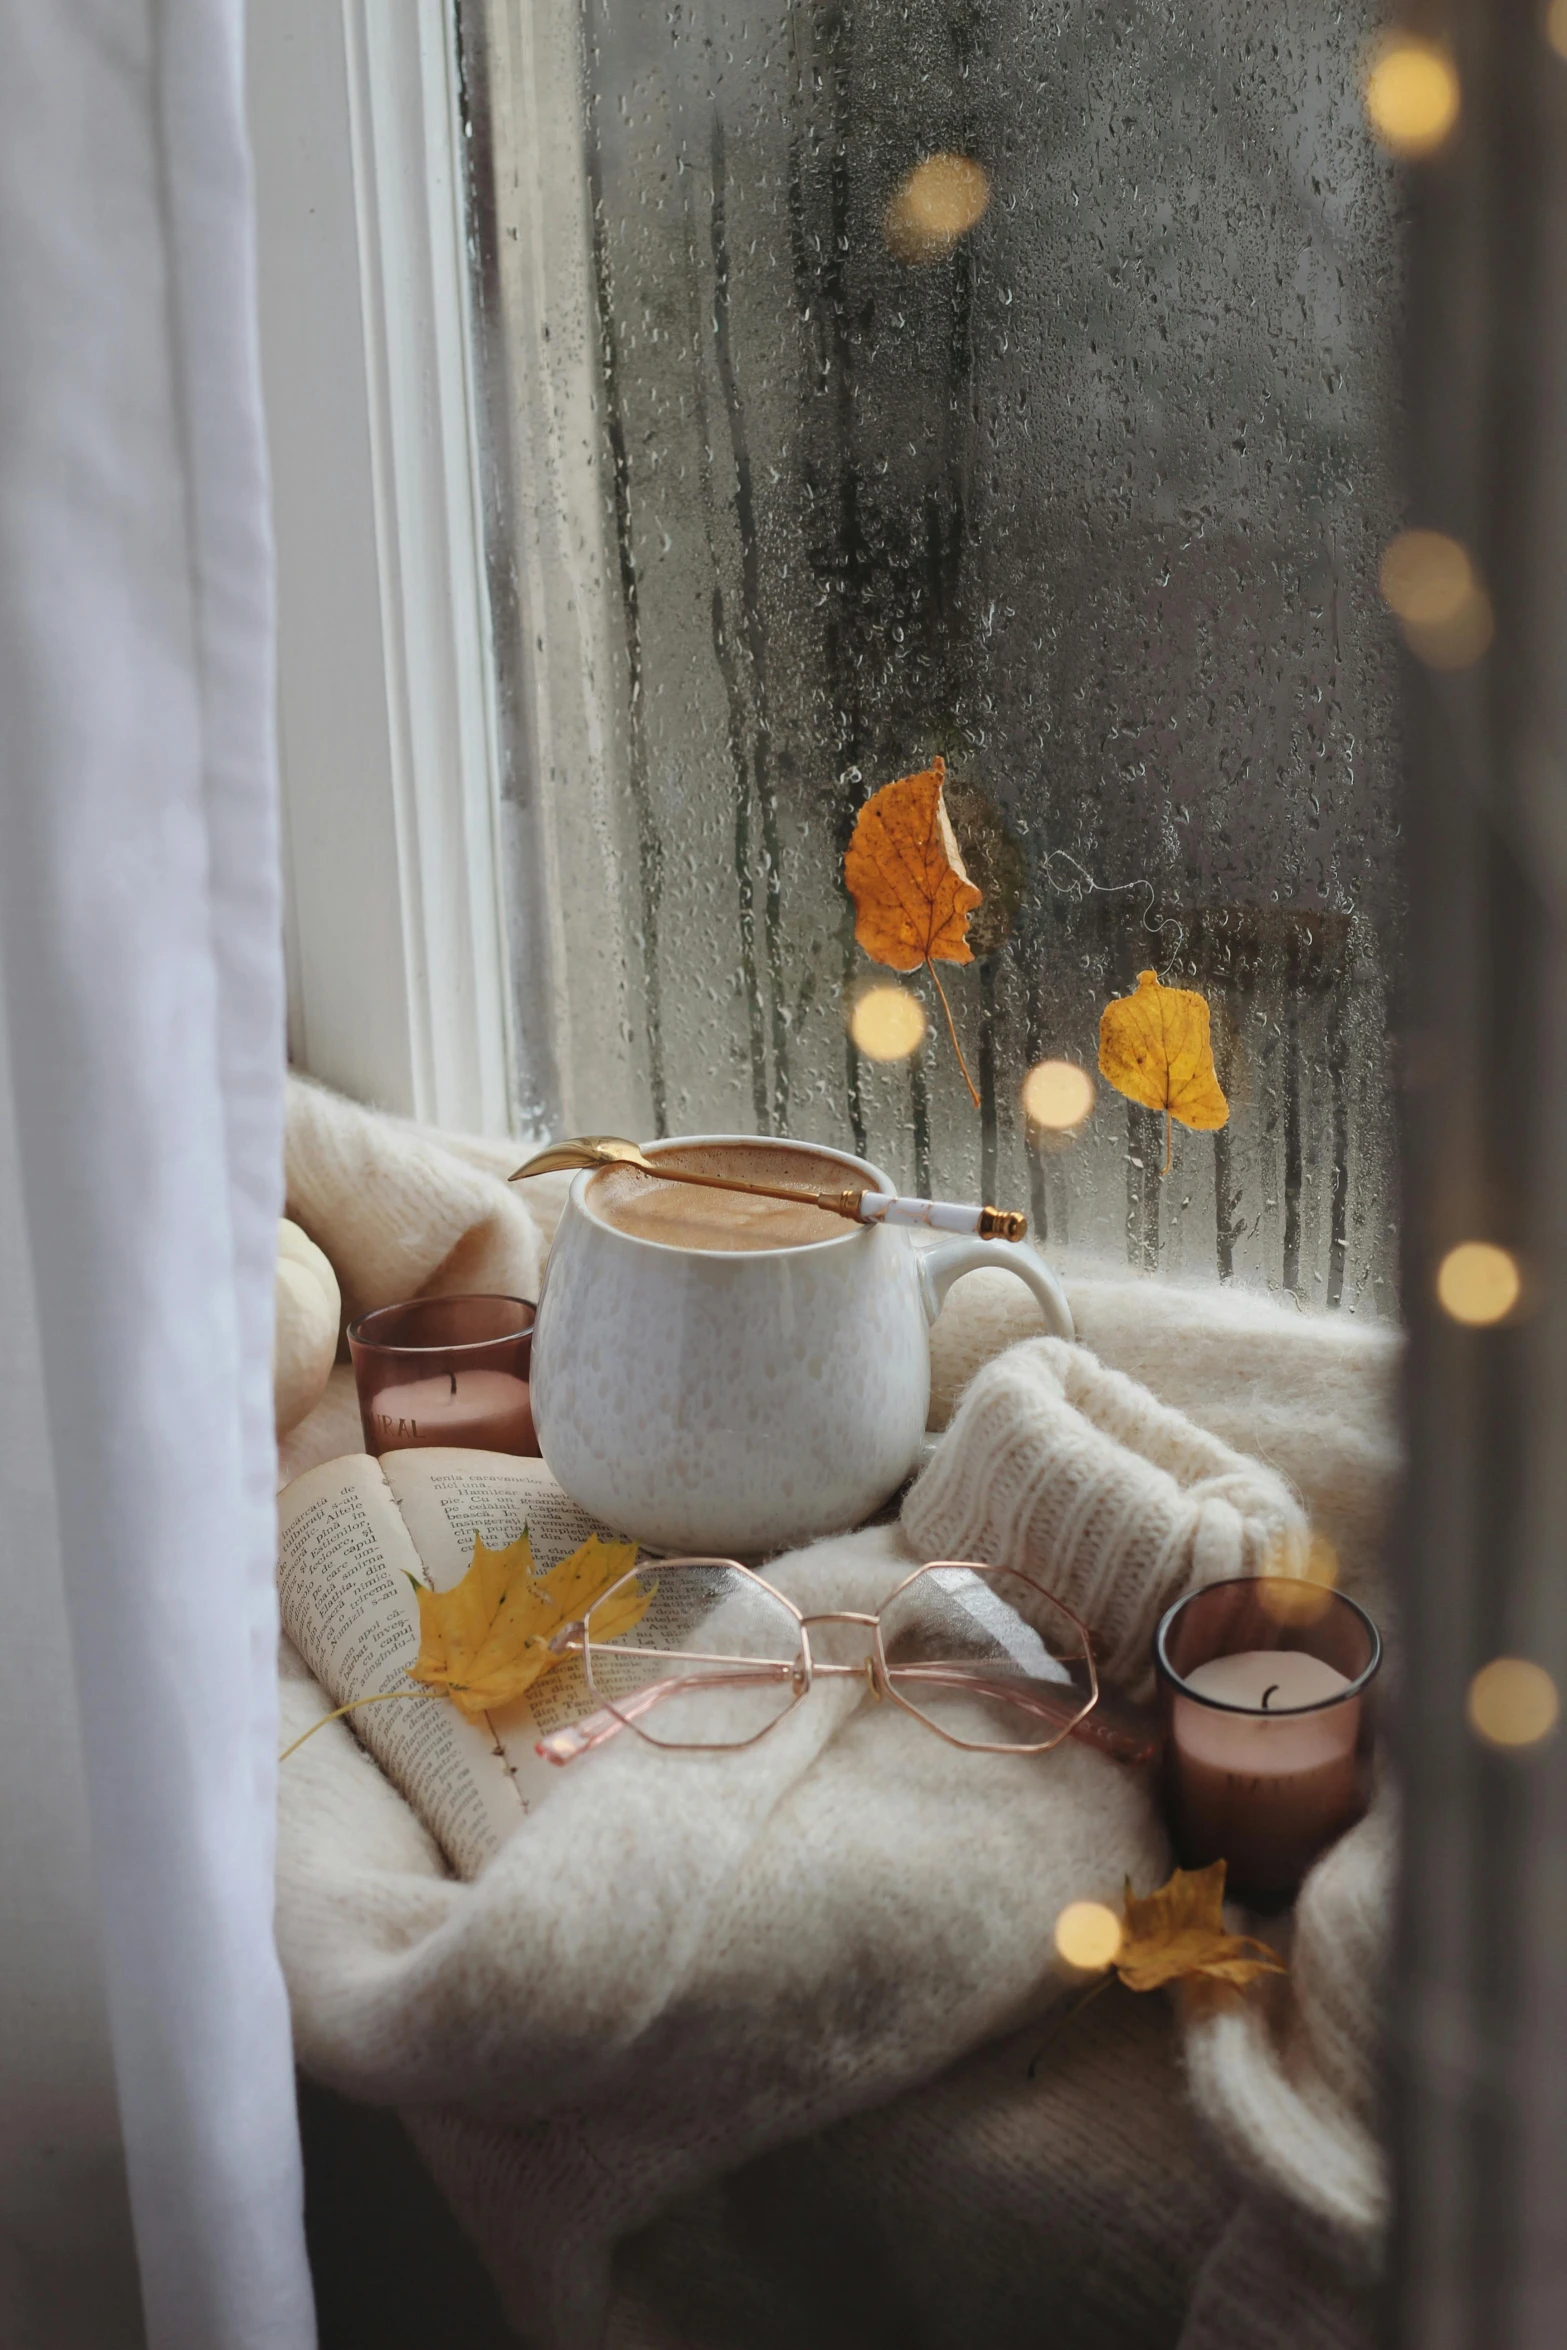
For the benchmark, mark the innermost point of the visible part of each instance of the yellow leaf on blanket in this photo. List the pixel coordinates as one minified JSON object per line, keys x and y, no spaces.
{"x":487,"y":1639}
{"x":1173,"y":1936}
{"x":1179,"y":1932}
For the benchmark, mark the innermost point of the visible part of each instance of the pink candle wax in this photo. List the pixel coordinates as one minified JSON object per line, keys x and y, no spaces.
{"x":446,"y":1370}
{"x":1265,"y":1790}
{"x":487,"y":1410}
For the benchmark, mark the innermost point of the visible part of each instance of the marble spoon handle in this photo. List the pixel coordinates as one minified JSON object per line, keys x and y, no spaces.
{"x":941,"y":1215}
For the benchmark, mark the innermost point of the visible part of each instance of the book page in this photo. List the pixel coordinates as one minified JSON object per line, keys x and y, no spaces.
{"x":447,"y":1496}
{"x":346,"y":1570}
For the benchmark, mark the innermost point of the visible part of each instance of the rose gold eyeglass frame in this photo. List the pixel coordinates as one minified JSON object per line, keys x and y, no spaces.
{"x":1115,"y":1728}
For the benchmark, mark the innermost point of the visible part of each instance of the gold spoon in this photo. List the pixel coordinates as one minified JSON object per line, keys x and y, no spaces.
{"x":857,"y":1204}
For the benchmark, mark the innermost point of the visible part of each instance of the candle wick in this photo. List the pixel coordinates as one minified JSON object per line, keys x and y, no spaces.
{"x":1267,"y":1693}
{"x":452,"y":1376}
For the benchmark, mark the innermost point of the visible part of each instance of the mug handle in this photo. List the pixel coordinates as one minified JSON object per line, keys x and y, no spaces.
{"x":940,"y":1267}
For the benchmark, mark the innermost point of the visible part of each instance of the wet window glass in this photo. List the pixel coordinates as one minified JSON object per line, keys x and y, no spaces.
{"x":1012,"y":381}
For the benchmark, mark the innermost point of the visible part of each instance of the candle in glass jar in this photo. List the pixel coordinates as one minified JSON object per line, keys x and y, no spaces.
{"x":489,"y":1411}
{"x":1268,"y":1789}
{"x":1273,"y":1679}
{"x":448,"y":1370}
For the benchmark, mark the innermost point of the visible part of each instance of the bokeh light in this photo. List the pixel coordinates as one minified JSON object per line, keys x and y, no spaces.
{"x":1477,"y":1283}
{"x":1426,"y":576}
{"x":1556,"y":26}
{"x":1457,"y":643}
{"x":1513,"y":1702}
{"x":888,"y":1023}
{"x":1428,"y":579}
{"x":1088,"y":1934}
{"x":1057,"y":1094}
{"x":1304,"y":1598}
{"x":940,"y":201}
{"x":1412,"y":94}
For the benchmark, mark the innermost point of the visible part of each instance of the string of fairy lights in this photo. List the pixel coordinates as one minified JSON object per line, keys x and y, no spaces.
{"x":1432,"y":585}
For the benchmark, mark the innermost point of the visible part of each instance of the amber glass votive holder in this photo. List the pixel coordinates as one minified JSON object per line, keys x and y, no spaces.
{"x":446,"y":1370}
{"x":1265,"y":1686}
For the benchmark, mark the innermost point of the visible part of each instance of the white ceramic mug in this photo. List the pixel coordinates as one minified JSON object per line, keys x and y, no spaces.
{"x":715,"y":1401}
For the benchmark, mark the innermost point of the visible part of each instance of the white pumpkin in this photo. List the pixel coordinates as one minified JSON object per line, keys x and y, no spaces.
{"x":309,"y":1310}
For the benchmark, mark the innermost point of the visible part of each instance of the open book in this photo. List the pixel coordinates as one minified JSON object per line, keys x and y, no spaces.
{"x":354,"y":1537}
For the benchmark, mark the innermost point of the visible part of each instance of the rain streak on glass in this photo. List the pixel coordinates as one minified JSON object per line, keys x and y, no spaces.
{"x":1016,"y":382}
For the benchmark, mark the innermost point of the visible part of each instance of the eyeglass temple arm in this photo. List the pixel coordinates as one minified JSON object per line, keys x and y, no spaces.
{"x":1117,"y":1728}
{"x":564,"y":1745}
{"x":1131,"y":1733}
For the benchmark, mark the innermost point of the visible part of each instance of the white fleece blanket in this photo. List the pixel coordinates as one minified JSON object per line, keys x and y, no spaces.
{"x":681,"y":1971}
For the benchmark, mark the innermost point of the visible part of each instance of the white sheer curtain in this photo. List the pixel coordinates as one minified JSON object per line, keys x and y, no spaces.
{"x":139,"y":941}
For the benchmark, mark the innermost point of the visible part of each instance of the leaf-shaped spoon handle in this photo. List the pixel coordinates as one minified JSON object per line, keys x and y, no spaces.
{"x":609,"y":1150}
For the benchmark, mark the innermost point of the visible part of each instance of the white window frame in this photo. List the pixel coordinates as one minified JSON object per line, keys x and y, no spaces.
{"x":388,"y":734}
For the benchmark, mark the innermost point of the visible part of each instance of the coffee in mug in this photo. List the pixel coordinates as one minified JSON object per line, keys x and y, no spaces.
{"x":681,"y":1215}
{"x":721,"y":1375}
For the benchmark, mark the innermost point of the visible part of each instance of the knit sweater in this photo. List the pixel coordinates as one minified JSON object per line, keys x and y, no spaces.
{"x":1075,"y":1473}
{"x":683,"y":1993}
{"x":1083,"y":1479}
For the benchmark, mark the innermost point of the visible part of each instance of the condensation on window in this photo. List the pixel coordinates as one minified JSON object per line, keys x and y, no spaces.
{"x":1068,"y":457}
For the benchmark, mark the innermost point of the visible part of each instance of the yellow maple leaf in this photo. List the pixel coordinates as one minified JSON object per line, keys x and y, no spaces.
{"x":1179,"y":1931}
{"x":912,"y":897}
{"x":1154,"y":1047}
{"x":487,"y":1639}
{"x":1173,"y":1936}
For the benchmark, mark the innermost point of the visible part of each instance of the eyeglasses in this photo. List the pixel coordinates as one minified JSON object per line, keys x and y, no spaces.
{"x":986,"y":1657}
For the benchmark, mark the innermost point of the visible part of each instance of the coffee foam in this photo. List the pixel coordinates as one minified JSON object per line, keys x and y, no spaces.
{"x":681,"y":1215}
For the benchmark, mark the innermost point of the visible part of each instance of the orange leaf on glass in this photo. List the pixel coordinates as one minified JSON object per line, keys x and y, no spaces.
{"x":912,"y":897}
{"x":1154,"y":1047}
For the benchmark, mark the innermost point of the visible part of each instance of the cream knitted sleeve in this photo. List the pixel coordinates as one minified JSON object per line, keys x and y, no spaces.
{"x":1296,"y":2111}
{"x":1076,"y":1475}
